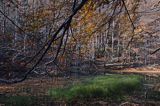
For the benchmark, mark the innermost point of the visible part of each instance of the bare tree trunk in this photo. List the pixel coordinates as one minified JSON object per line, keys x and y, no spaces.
{"x":113,"y":26}
{"x":4,"y":23}
{"x":118,"y":48}
{"x":146,"y":53}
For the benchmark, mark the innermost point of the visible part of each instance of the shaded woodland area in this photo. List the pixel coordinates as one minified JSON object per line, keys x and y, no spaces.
{"x":54,"y":36}
{"x":66,"y":38}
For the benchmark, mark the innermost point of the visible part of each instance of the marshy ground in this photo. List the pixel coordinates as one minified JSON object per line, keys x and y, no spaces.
{"x":101,"y":90}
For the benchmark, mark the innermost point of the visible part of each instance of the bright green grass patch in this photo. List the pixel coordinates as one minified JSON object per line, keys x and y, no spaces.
{"x":103,"y":87}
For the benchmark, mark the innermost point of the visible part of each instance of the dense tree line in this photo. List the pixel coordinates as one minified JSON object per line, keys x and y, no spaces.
{"x":53,"y":36}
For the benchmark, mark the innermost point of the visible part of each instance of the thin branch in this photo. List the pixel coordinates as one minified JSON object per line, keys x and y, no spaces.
{"x":155,"y":51}
{"x":83,"y":2}
{"x":13,"y":22}
{"x":132,"y":24}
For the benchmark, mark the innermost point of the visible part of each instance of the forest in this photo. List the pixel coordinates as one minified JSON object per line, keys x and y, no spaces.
{"x":79,"y":53}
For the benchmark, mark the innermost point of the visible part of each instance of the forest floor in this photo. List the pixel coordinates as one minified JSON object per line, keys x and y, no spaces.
{"x":38,"y":87}
{"x":148,"y":70}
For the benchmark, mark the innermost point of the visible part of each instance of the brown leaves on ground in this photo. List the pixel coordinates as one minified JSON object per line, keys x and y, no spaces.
{"x":36,"y":86}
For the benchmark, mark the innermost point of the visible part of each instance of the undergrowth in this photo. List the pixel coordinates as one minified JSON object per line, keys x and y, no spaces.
{"x":114,"y":87}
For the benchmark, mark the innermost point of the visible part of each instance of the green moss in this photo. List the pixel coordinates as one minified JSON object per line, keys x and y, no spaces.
{"x":105,"y":87}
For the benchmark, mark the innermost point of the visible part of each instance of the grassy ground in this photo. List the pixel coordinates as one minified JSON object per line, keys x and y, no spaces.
{"x":115,"y":87}
{"x":108,"y":90}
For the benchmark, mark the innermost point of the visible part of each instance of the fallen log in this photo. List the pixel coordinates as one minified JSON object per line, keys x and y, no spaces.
{"x":121,"y":65}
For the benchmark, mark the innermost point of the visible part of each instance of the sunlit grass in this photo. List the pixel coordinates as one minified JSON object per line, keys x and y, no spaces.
{"x":104,"y":87}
